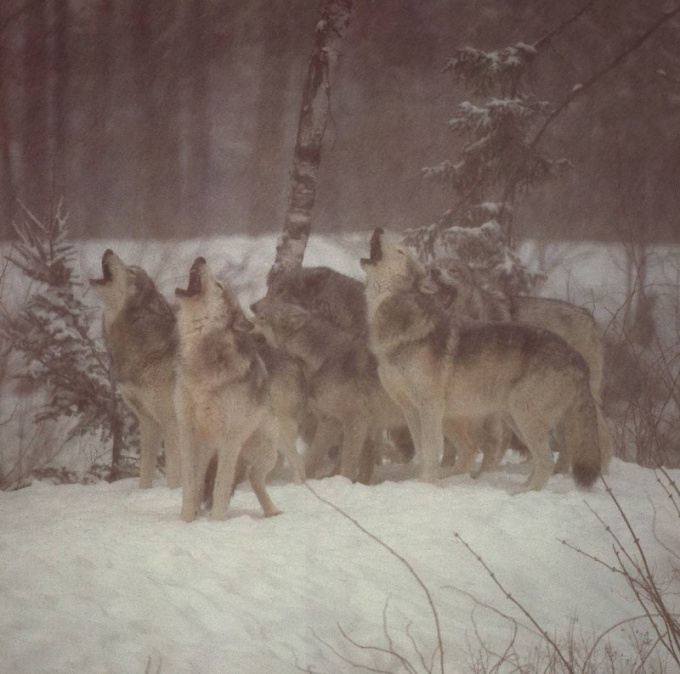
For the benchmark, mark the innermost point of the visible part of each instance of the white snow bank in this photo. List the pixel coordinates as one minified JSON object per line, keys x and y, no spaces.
{"x":106,"y":578}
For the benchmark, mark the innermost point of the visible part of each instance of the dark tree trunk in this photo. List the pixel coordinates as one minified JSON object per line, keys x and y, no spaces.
{"x":7,"y":186}
{"x":264,"y":183}
{"x":159,"y":173}
{"x":35,"y":184}
{"x":61,"y":91}
{"x":198,"y":113}
{"x":314,"y":111}
{"x":97,"y":172}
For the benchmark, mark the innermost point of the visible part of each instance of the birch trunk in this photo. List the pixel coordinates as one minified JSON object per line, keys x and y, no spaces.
{"x":290,"y":248}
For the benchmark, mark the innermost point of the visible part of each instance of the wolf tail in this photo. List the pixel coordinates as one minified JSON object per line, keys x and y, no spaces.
{"x":582,"y":436}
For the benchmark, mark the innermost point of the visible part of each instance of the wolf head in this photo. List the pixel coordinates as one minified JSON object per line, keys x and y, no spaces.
{"x":207,"y":303}
{"x":452,"y":278}
{"x":278,"y":321}
{"x":126,"y":287}
{"x":393,"y":268}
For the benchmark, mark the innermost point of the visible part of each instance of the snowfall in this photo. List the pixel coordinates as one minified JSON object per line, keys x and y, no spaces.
{"x":106,"y":578}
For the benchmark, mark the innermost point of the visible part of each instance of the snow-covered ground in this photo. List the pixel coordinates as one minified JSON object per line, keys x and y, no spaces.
{"x":106,"y":578}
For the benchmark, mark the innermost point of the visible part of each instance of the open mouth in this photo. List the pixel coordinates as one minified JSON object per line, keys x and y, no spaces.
{"x":194,"y":285}
{"x":107,"y":275}
{"x":375,"y":249}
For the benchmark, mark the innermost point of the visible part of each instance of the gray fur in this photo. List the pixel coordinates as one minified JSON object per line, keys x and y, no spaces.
{"x":474,"y":375}
{"x":141,"y":337}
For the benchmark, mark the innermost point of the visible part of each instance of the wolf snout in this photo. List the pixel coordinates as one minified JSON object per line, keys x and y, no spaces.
{"x":376,"y":250}
{"x":194,"y":284}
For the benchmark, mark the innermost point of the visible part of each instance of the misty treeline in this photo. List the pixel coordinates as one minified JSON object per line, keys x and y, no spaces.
{"x":171,"y":118}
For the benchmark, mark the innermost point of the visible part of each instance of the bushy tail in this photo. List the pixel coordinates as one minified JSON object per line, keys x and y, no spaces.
{"x":582,"y":436}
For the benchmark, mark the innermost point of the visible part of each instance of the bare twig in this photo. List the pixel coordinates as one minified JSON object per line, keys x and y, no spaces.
{"x":518,"y":604}
{"x":440,"y":647}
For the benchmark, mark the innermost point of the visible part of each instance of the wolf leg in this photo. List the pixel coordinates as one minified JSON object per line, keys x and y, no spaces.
{"x":328,"y":433}
{"x":495,"y":440}
{"x":353,"y":437}
{"x":459,"y":436}
{"x":431,"y":440}
{"x":191,"y":489}
{"x":564,"y":458}
{"x":150,"y":443}
{"x":369,"y":453}
{"x":262,"y":458}
{"x":170,"y":432}
{"x":288,"y":433}
{"x":227,"y":458}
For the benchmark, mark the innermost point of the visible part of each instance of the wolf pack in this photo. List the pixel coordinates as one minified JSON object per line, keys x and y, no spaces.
{"x":419,"y":363}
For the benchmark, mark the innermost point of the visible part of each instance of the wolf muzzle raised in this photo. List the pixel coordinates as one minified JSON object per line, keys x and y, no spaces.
{"x":375,"y":250}
{"x":194,"y":285}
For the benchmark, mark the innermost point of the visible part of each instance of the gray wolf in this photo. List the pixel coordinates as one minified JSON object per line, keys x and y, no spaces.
{"x":479,"y":374}
{"x":289,"y":396}
{"x":141,"y":337}
{"x":323,"y":291}
{"x":462,"y":294}
{"x":343,"y":381}
{"x":222,"y":396}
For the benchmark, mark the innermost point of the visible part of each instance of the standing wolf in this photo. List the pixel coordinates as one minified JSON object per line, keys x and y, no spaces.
{"x":222,"y":397}
{"x":343,"y":381}
{"x":141,"y":337}
{"x":462,"y":295}
{"x":436,"y":369}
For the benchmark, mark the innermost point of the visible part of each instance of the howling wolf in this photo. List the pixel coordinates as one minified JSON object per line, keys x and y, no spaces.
{"x":436,"y":369}
{"x":222,"y":397}
{"x":141,"y":337}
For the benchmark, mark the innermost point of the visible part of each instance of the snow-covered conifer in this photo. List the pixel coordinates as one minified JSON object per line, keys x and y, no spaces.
{"x":54,"y":333}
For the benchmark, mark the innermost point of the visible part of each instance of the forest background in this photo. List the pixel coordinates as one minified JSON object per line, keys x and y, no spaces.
{"x":161,"y":119}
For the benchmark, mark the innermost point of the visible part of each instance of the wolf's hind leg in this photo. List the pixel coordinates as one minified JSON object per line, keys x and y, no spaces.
{"x":262,"y":462}
{"x":288,"y":433}
{"x":532,"y":430}
{"x":494,"y":442}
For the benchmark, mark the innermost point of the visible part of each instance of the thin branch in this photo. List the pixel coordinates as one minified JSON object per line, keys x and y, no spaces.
{"x":512,"y":599}
{"x":567,"y":22}
{"x":404,"y":561}
{"x":580,"y":89}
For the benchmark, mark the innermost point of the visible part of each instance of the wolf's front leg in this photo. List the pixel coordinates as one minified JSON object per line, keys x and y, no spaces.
{"x":192,"y":489}
{"x":150,"y":443}
{"x":431,"y":440}
{"x":171,"y":445}
{"x":227,"y":459}
{"x":353,"y":437}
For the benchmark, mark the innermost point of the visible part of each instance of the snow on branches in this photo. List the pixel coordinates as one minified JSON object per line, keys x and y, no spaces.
{"x":496,"y":163}
{"x":54,"y":334}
